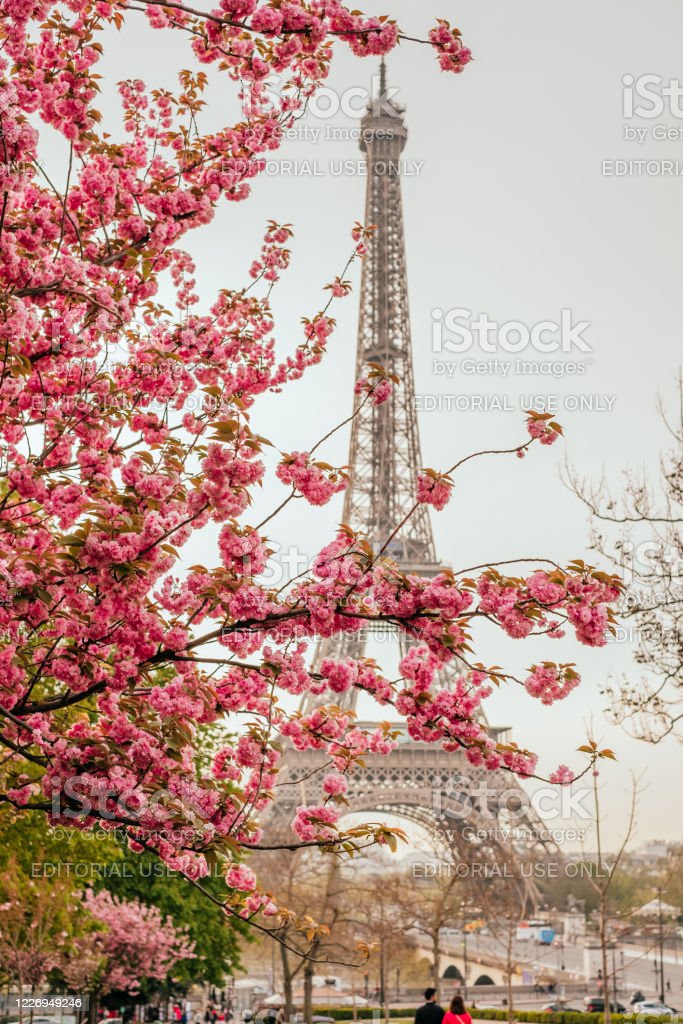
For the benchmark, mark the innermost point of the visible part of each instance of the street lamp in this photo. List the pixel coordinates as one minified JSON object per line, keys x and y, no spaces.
{"x":661,"y":945}
{"x":463,"y":917}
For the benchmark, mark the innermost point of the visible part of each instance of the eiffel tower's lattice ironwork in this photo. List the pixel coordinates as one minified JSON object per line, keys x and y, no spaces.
{"x":384,"y":454}
{"x":384,"y":459}
{"x":385,"y":443}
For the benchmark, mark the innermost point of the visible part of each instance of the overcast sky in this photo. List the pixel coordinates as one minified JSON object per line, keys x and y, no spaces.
{"x":510,"y":211}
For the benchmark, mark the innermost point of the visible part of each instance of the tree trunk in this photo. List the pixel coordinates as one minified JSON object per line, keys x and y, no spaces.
{"x":92,"y":1007}
{"x":383,"y":994}
{"x":20,"y":983}
{"x":603,"y":952}
{"x":308,"y":992}
{"x":511,"y":1009}
{"x":436,"y":957}
{"x":287,"y":983}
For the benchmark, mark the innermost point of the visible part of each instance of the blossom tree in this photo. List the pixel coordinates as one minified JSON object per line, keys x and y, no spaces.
{"x":38,"y":927}
{"x":135,"y":943}
{"x":128,"y":428}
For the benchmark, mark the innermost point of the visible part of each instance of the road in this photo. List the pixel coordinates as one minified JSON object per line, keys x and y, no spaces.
{"x":634,"y":965}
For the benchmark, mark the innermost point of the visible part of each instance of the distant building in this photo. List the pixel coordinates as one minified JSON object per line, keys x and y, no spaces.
{"x":652,"y":851}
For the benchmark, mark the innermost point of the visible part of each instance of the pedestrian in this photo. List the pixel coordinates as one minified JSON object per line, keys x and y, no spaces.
{"x":430,"y":1012}
{"x":668,"y":985}
{"x":456,"y":1012}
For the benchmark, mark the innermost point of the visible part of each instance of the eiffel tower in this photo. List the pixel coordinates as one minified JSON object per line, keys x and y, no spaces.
{"x":418,"y":781}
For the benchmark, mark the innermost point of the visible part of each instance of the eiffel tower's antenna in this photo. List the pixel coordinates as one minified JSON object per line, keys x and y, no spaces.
{"x":382,"y":78}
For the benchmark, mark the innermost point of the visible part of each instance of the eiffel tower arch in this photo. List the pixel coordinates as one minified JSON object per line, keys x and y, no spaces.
{"x":473,"y":810}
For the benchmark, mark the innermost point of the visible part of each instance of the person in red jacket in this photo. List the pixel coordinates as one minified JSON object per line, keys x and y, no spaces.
{"x":456,"y":1012}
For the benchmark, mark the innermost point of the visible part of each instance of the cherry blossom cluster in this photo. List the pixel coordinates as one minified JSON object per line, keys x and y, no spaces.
{"x":550,"y":682}
{"x":453,"y":56}
{"x":542,"y":427}
{"x":378,"y":385}
{"x":547,"y":601}
{"x":133,"y":942}
{"x":316,"y":481}
{"x":434,"y":489}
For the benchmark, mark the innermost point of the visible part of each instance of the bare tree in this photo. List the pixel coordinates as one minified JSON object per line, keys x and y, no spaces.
{"x":602,"y":881}
{"x":641,"y":532}
{"x":502,"y":900}
{"x":314,"y":893}
{"x":38,"y":920}
{"x":380,"y":917}
{"x":431,"y":903}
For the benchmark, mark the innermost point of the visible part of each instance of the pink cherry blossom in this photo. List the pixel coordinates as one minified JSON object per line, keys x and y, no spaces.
{"x":551,"y":682}
{"x":241,"y":877}
{"x":562,"y":775}
{"x":136,"y":943}
{"x":433,"y":489}
{"x":316,"y":481}
{"x":542,"y":428}
{"x":335,"y":785}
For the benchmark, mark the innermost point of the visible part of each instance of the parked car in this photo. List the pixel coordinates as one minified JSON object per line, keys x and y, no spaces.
{"x":559,"y":1008}
{"x":596,"y":1004}
{"x":653,"y":1008}
{"x":38,"y":1018}
{"x":317,"y":1019}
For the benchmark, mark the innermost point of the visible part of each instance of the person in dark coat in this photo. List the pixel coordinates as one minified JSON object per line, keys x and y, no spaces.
{"x":430,"y":1012}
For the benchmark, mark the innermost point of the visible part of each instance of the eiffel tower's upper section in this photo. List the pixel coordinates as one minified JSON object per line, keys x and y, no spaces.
{"x":384,"y":457}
